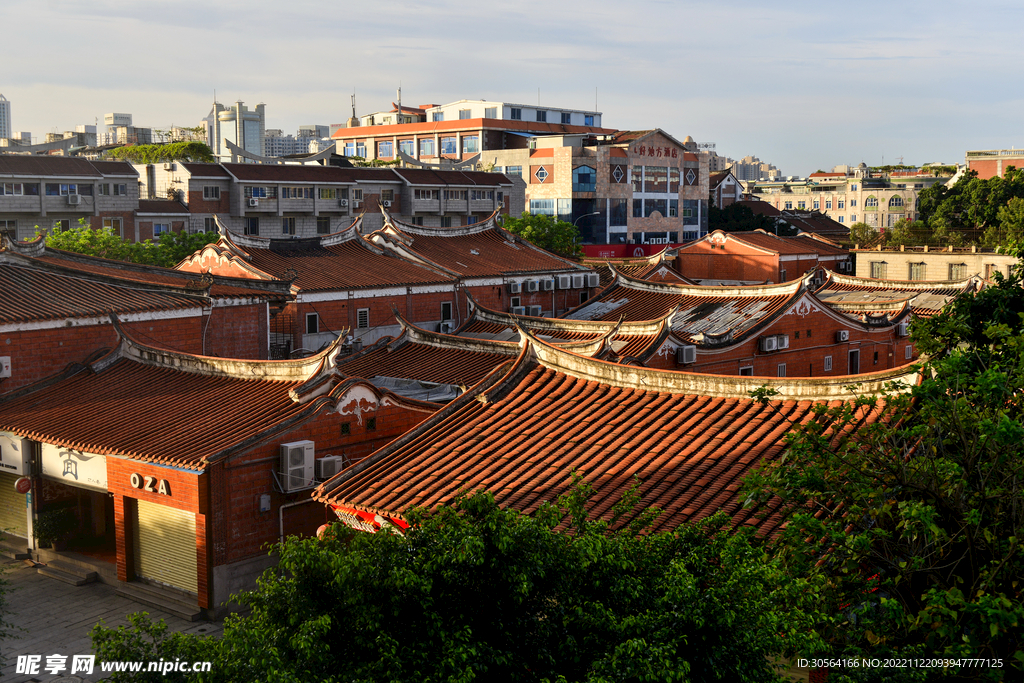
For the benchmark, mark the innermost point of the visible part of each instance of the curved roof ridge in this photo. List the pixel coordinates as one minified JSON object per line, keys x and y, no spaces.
{"x":413,"y":333}
{"x":726,"y":386}
{"x":873,"y":283}
{"x":404,"y":228}
{"x":745,"y":291}
{"x":294,"y":370}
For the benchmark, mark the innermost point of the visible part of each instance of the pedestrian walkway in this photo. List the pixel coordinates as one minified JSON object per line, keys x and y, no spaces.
{"x":56,"y":618}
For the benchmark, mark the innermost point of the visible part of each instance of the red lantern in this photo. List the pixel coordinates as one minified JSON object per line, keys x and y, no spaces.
{"x":322,"y":530}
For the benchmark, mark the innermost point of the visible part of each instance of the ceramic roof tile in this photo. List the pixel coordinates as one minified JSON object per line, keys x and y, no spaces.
{"x":425,"y":363}
{"x":927,"y":297}
{"x":522,"y":435}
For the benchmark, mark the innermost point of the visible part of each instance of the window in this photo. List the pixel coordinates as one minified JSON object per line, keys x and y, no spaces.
{"x":323,"y":225}
{"x":957,"y":271}
{"x":361,"y":149}
{"x":878,"y":269}
{"x":438,"y":116}
{"x":656,"y":179}
{"x":673,"y":208}
{"x":841,"y":219}
{"x":491,"y":113}
{"x":917,"y":271}
{"x":501,"y":197}
{"x":541,"y":174}
{"x":363,"y":318}
{"x":465,"y":113}
{"x":458,"y":195}
{"x":876,"y":358}
{"x":371,"y":424}
{"x":908,"y":352}
{"x":853,"y":188}
{"x":841,"y":204}
{"x":312,"y":323}
{"x":9,"y":226}
{"x":350,"y":149}
{"x":566,"y":117}
{"x":817,"y":204}
{"x":114,"y":224}
{"x":652,"y":205}
{"x":895,"y":202}
{"x":515,"y":113}
{"x":446,"y":221}
{"x":542,"y":207}
{"x":470,"y":220}
{"x":471,"y":144}
{"x":385,"y":149}
{"x":747,"y":371}
{"x":514,"y":170}
{"x":673,"y":180}
{"x":407,"y":147}
{"x":120,"y":189}
{"x":542,"y":116}
{"x":583,"y":297}
{"x":426,"y":148}
{"x":296,"y":193}
{"x":160,"y":229}
{"x":252,"y":226}
{"x":425,"y":194}
{"x":62,"y":225}
{"x":801,"y":205}
{"x":446,"y":310}
{"x":346,"y":428}
{"x":449,"y":146}
{"x":853,"y":203}
{"x":782,"y":369}
{"x":416,"y":220}
{"x":828,"y":363}
{"x":828,"y":204}
{"x":853,"y":218}
{"x":257,"y":192}
{"x":12,"y":189}
{"x":357,"y":195}
{"x":871,"y":203}
{"x":789,"y":205}
{"x":288,"y":225}
{"x":209,"y":224}
{"x":328,"y":193}
{"x":481,"y":194}
{"x":584,"y":179}
{"x":211,"y":192}
{"x":588,"y":120}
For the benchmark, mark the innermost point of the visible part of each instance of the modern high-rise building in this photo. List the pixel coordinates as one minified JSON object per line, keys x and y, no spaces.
{"x":238,"y":125}
{"x":5,"y":117}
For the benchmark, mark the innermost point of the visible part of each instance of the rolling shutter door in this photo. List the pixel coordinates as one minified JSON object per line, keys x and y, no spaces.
{"x":166,"y":546}
{"x":12,"y":506}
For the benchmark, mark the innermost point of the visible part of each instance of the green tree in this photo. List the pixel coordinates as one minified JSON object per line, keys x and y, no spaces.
{"x":862,"y":233}
{"x":916,"y":521}
{"x":172,"y":151}
{"x":475,"y":592}
{"x":738,"y":217}
{"x":559,"y":237}
{"x":167,"y":252}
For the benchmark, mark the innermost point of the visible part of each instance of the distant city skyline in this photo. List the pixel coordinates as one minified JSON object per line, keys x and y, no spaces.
{"x":795,"y":84}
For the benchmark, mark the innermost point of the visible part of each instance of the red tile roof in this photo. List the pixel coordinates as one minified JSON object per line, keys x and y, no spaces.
{"x":656,"y":268}
{"x":198,"y":170}
{"x":32,"y":165}
{"x":521,"y":434}
{"x":177,"y":409}
{"x":115,"y":168}
{"x":305,"y":173}
{"x":477,"y":250}
{"x":334,"y":262}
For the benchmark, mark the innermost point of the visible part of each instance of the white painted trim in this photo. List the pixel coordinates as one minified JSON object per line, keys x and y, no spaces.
{"x":101,"y":320}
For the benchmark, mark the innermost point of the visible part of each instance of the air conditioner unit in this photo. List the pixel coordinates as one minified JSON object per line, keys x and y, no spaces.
{"x":386,"y":203}
{"x":593,"y":280}
{"x":253,"y":201}
{"x":769,"y":343}
{"x":782,"y":341}
{"x":842,"y":335}
{"x":514,"y":288}
{"x":517,"y":310}
{"x":169,"y":167}
{"x":297,"y":465}
{"x":343,"y":202}
{"x":686,"y":355}
{"x":577,"y":282}
{"x":328,"y":466}
{"x":564,"y":281}
{"x":547,"y":285}
{"x":903,"y":329}
{"x":535,"y":311}
{"x":446,"y":327}
{"x":532,"y":285}
{"x":74,"y":199}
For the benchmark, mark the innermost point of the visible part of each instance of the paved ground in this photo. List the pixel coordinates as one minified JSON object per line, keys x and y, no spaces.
{"x":56,"y":618}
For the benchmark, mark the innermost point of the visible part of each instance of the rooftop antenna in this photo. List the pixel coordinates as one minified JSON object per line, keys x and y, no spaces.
{"x":353,"y":104}
{"x":399,"y":119}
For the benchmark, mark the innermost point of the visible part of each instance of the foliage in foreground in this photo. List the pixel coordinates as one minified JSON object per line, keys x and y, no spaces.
{"x":559,"y":237}
{"x":916,"y":524}
{"x":172,"y":151}
{"x":474,"y":592}
{"x":167,"y":252}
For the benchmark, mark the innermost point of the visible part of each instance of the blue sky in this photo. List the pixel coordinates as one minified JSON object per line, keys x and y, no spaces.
{"x":803,"y":85}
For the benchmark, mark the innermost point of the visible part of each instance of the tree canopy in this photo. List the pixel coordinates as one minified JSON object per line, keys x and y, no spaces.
{"x":172,"y":151}
{"x":915,"y":522}
{"x":738,"y":217}
{"x":559,"y":237}
{"x":984,"y":207}
{"x":475,"y":592}
{"x":168,"y":251}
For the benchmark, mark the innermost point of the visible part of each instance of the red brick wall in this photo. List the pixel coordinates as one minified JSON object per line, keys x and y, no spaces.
{"x":127,"y":222}
{"x":238,"y":332}
{"x":805,"y":356}
{"x":196,"y":203}
{"x":736,"y":262}
{"x":240,"y":529}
